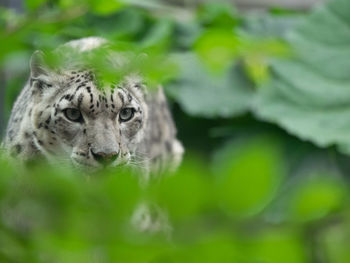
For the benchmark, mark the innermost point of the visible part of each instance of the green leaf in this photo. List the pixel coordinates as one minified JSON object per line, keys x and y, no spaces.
{"x":159,"y":35}
{"x":34,"y":4}
{"x":335,"y":243}
{"x":105,"y":7}
{"x":192,"y":196}
{"x":217,"y":15}
{"x":248,"y":175}
{"x":316,"y":198}
{"x":267,"y":25}
{"x":202,"y":93}
{"x":218,"y":48}
{"x":275,"y":246}
{"x":309,"y":95}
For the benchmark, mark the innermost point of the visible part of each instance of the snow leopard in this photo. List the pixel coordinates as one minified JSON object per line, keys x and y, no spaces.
{"x":66,"y":112}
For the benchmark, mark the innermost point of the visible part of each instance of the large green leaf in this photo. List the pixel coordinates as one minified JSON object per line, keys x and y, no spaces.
{"x":309,"y":95}
{"x":200,"y":92}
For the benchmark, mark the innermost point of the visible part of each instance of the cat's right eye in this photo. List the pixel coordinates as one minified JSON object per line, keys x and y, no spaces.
{"x":73,"y":115}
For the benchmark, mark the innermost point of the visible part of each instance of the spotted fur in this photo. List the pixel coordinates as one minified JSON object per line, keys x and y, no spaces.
{"x":38,"y":126}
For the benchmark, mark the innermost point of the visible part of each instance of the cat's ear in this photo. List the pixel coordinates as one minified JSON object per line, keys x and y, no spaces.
{"x":37,"y":64}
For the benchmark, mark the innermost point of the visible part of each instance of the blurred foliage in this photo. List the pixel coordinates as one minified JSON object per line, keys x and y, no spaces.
{"x":312,"y":89}
{"x":223,"y":211}
{"x":241,"y":86}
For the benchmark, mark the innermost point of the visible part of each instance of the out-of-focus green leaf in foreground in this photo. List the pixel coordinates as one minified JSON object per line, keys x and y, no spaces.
{"x":335,"y":242}
{"x":104,"y":7}
{"x":215,"y":211}
{"x":248,"y":175}
{"x":309,"y":95}
{"x":316,"y":197}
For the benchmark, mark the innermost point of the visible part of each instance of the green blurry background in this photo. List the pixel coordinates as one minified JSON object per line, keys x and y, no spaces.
{"x":260,"y":92}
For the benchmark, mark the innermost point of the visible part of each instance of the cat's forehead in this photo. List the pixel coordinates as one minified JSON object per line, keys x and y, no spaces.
{"x":83,"y":89}
{"x":82,"y":77}
{"x":79,"y":76}
{"x":83,"y":92}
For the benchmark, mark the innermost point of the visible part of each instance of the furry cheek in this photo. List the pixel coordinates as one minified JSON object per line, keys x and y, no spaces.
{"x":66,"y":131}
{"x":131,"y":130}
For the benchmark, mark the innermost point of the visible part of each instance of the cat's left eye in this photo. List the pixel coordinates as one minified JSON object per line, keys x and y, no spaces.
{"x":73,"y":115}
{"x":126,"y":114}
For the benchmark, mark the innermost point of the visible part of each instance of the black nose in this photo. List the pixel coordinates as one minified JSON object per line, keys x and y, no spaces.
{"x":104,"y":158}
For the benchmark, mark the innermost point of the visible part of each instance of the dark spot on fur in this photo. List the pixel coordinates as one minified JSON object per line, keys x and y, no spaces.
{"x":80,"y":99}
{"x":168,"y":146}
{"x":40,"y":85}
{"x":121,"y":97}
{"x":18,"y":148}
{"x":48,"y":120}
